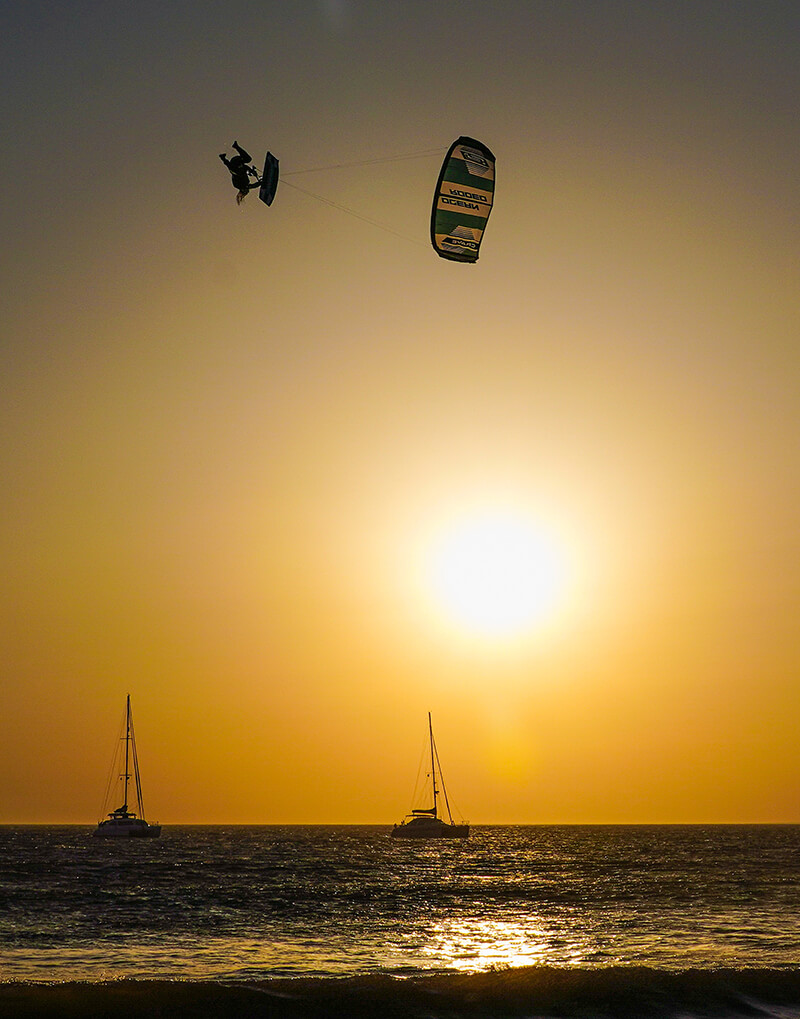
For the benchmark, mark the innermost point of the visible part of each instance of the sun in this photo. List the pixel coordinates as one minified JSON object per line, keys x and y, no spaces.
{"x":497,"y":573}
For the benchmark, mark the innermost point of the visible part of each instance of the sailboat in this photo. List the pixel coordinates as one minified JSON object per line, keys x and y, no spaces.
{"x":424,"y":822}
{"x":123,"y":823}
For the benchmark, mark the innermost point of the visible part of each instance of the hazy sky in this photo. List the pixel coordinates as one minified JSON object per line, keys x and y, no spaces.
{"x":238,"y":442}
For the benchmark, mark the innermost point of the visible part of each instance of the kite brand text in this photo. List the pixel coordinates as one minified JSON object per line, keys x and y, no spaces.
{"x":466,"y":194}
{"x":459,"y":242}
{"x":463,"y":205}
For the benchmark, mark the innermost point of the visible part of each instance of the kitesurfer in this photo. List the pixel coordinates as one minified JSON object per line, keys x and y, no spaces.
{"x":241,"y":171}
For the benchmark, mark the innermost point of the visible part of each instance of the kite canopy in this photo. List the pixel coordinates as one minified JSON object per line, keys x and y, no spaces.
{"x":463,"y":200}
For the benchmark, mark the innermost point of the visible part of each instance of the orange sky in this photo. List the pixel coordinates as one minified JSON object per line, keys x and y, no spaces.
{"x":232,"y":437}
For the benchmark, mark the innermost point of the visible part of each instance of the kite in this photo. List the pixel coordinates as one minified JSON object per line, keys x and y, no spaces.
{"x":462,"y":200}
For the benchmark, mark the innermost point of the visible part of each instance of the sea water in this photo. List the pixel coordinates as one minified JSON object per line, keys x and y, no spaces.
{"x":541,"y":920}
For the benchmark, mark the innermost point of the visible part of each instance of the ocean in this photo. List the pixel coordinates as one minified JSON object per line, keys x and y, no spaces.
{"x":317,"y":921}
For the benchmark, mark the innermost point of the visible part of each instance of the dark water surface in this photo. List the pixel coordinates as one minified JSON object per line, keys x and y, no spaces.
{"x":252,"y":904}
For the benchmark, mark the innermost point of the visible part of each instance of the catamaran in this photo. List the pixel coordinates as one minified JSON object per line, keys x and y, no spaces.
{"x":424,"y":822}
{"x":123,"y":823}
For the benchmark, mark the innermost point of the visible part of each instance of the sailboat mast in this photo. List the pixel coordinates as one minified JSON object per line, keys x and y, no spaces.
{"x":127,"y":745}
{"x":433,"y":765}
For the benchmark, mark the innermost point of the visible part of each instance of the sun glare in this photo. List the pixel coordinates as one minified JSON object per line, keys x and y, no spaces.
{"x":497,"y":574}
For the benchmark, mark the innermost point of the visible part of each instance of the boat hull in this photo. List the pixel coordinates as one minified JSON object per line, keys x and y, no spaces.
{"x":437,"y":830}
{"x":139,"y":830}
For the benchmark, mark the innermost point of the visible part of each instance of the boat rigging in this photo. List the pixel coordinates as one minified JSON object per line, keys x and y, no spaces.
{"x":122,"y":822}
{"x":425,"y":822}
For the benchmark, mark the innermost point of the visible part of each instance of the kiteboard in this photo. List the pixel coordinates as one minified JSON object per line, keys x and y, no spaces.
{"x":269,"y":179}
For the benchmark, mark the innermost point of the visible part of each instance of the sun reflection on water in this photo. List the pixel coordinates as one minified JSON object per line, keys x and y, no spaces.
{"x":473,"y":944}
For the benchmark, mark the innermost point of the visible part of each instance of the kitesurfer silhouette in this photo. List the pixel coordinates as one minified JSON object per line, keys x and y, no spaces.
{"x":241,"y":171}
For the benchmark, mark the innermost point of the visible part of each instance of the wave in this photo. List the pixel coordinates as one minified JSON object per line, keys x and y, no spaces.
{"x":537,"y":992}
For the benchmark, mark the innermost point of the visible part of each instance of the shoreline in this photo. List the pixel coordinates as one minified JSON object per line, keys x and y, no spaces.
{"x":513,"y":992}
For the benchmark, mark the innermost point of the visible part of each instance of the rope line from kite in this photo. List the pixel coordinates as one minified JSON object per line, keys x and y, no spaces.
{"x":366,"y":162}
{"x":357,"y":215}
